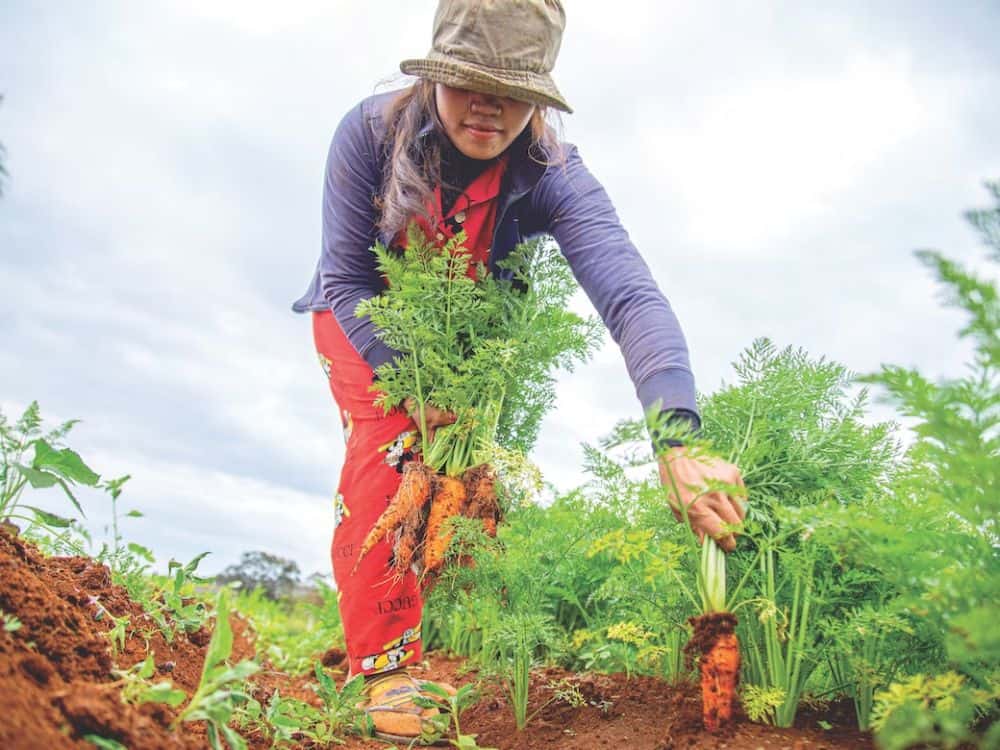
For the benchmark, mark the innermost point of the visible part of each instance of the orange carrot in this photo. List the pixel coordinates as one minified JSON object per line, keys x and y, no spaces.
{"x":720,"y":670}
{"x":414,"y":491}
{"x":482,"y":503}
{"x":719,"y":663}
{"x":408,"y":540}
{"x":447,"y":503}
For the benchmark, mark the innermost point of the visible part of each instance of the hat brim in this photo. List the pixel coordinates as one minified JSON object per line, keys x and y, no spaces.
{"x":527,"y":86}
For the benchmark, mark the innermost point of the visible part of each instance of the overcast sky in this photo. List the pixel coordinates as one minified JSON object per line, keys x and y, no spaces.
{"x":775,"y":162}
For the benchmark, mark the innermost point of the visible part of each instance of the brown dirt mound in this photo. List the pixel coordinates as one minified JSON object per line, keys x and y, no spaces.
{"x":56,"y":684}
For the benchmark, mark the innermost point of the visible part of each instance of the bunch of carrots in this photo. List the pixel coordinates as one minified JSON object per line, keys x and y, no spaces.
{"x":419,"y":514}
{"x":481,"y":346}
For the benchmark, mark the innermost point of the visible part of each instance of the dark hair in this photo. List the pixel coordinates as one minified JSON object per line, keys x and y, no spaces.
{"x":413,"y":165}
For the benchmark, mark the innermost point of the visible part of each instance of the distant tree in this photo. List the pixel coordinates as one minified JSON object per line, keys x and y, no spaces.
{"x":277,"y":576}
{"x":317,"y":579}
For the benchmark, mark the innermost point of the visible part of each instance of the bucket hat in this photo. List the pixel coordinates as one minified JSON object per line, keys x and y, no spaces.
{"x":500,"y":47}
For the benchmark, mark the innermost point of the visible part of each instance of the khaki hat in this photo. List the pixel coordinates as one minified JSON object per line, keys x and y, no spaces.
{"x":501,"y":47}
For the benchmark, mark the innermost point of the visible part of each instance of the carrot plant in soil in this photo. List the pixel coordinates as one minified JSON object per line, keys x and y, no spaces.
{"x":799,"y":439}
{"x":509,"y":610}
{"x":481,"y":346}
{"x":861,"y":574}
{"x":609,"y":580}
{"x":932,"y":540}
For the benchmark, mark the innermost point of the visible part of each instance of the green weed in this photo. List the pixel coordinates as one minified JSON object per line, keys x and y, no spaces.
{"x":452,"y":707}
{"x":221,"y":688}
{"x":32,"y":456}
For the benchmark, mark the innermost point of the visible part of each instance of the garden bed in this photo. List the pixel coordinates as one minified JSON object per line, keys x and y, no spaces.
{"x":56,"y":684}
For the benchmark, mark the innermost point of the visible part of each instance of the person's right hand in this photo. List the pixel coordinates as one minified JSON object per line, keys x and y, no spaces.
{"x":433,"y":416}
{"x":717,"y":514}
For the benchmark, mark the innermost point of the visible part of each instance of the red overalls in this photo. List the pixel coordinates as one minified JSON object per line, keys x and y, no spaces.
{"x":381,"y":617}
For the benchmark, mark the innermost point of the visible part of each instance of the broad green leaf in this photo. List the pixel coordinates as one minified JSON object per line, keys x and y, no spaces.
{"x":64,"y":462}
{"x":221,"y":644}
{"x":37,"y":479}
{"x":434,"y":689}
{"x":148,"y":667}
{"x":193,"y":565}
{"x":233,"y":738}
{"x":49,"y":519}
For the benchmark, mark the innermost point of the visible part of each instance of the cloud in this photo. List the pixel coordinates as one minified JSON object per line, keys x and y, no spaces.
{"x":766,"y":158}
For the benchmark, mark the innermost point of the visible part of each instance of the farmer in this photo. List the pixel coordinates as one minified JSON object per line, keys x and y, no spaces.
{"x":467,"y":147}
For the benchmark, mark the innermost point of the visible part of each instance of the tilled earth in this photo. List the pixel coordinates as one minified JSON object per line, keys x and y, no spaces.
{"x":56,"y":684}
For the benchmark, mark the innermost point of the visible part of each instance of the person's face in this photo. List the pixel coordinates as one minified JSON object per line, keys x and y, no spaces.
{"x":481,"y":126}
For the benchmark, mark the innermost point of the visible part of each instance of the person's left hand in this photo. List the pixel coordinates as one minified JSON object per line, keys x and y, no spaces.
{"x":712,"y":510}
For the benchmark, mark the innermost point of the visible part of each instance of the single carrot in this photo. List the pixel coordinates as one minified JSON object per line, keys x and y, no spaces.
{"x":414,"y":491}
{"x":720,"y":671}
{"x":448,"y":501}
{"x":482,"y":502}
{"x":719,"y":664}
{"x":408,"y":540}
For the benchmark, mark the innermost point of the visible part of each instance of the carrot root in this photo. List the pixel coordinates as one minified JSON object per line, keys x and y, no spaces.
{"x":413,"y":493}
{"x":448,"y":502}
{"x":482,"y":503}
{"x":714,"y":641}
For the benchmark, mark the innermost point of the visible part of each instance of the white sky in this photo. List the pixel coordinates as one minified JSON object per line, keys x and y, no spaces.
{"x":775,"y":163}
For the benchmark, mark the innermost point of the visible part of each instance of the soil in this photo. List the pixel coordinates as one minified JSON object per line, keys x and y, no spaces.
{"x":56,"y":684}
{"x":639,"y":713}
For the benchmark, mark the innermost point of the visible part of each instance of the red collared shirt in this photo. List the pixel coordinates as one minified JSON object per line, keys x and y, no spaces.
{"x":474,"y":213}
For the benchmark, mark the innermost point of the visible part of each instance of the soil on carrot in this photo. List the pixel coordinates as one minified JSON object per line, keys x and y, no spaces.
{"x":56,"y":685}
{"x":713,"y":646}
{"x":707,"y":629}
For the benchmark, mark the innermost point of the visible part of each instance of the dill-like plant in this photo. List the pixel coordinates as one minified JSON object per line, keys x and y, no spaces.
{"x":485,"y":350}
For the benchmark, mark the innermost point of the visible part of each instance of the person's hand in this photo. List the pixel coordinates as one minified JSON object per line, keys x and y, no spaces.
{"x":687,"y":478}
{"x":433,"y":417}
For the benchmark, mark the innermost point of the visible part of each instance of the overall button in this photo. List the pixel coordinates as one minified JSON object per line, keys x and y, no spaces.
{"x":460,"y":217}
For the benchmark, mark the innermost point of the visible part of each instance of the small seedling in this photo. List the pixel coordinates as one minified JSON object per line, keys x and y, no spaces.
{"x":137,"y":688}
{"x":453,"y":706}
{"x":119,"y":632}
{"x":10,"y":622}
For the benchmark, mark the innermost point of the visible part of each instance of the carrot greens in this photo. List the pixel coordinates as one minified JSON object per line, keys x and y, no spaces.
{"x":484,"y":349}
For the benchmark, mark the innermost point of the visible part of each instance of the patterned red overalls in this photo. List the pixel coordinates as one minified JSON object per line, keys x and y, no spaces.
{"x":381,"y":617}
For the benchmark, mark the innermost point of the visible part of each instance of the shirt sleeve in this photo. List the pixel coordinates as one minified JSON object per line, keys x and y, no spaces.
{"x":618,"y":282}
{"x":347,"y":266}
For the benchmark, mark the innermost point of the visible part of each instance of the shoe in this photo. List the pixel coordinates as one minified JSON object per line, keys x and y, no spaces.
{"x":388,"y":700}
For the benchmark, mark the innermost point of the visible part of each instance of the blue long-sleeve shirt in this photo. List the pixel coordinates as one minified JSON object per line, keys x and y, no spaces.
{"x":561,"y":198}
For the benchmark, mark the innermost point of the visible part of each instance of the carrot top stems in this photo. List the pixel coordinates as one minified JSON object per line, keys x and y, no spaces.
{"x":712,"y":577}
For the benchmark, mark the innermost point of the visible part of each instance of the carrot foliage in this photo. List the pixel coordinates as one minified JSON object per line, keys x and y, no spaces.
{"x":485,"y":350}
